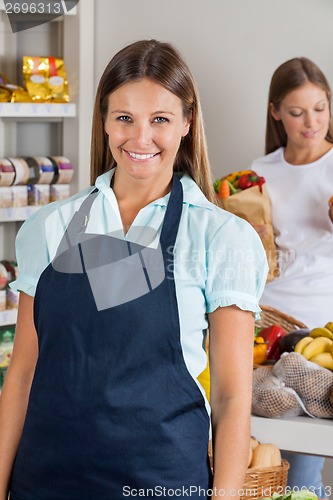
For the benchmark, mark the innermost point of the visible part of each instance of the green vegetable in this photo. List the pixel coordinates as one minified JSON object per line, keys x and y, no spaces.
{"x":303,"y":494}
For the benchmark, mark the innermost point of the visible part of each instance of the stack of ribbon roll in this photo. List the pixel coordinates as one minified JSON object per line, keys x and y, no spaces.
{"x":34,"y":180}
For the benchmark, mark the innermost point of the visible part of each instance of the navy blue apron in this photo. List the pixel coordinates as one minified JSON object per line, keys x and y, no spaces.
{"x":113,"y":408}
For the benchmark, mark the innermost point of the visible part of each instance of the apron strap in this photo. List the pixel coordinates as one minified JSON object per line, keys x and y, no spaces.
{"x":172,"y":216}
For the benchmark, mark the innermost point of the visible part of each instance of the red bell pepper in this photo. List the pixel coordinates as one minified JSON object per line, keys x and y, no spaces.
{"x":273,"y":334}
{"x":248,"y":180}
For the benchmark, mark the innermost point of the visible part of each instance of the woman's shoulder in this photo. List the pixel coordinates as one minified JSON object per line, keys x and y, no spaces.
{"x":268,"y":160}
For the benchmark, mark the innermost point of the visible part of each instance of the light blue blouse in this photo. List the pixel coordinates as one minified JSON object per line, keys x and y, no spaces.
{"x":219,"y":258}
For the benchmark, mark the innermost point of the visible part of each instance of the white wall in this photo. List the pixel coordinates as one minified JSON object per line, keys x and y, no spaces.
{"x":232,"y":48}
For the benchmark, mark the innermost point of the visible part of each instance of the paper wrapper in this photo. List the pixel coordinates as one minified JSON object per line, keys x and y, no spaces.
{"x":45,"y":79}
{"x":254,"y":206}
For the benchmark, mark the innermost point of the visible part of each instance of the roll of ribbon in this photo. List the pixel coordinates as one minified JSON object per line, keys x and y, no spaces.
{"x":63,"y":170}
{"x":7,"y":172}
{"x":21,"y":168}
{"x":41,"y":170}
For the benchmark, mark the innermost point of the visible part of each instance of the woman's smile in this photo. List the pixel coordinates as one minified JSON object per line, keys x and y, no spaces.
{"x":141,"y":156}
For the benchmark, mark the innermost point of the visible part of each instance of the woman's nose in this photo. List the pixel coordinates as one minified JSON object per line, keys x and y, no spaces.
{"x":143,"y":134}
{"x":309,"y":120}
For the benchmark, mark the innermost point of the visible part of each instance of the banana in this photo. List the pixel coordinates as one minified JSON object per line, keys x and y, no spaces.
{"x":329,"y":326}
{"x":321,"y":332}
{"x":302,"y":343}
{"x":318,"y":346}
{"x":324,"y":359}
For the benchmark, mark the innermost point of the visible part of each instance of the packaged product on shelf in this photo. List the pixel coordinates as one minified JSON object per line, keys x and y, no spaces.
{"x":59,"y":192}
{"x":11,"y":269}
{"x":3,"y":299}
{"x":6,"y":345}
{"x":19,"y":196}
{"x":21,"y":169}
{"x":12,"y":298}
{"x":5,"y":95}
{"x":38,"y":194}
{"x":41,"y":170}
{"x":5,"y":197}
{"x":63,"y":170}
{"x":45,"y":79}
{"x":10,"y":92}
{"x":3,"y":276}
{"x":7,"y":172}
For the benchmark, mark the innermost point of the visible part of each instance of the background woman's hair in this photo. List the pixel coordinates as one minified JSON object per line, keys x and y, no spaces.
{"x":289,"y":76}
{"x":161,"y":63}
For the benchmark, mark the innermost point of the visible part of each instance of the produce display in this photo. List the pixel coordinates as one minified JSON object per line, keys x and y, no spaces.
{"x":292,"y":386}
{"x":302,"y":494}
{"x":264,"y":455}
{"x":317,"y":346}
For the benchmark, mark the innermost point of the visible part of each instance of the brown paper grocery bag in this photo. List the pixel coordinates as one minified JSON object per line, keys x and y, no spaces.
{"x":254,"y":206}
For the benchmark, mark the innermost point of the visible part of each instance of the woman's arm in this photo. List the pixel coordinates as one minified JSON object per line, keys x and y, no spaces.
{"x":16,"y":389}
{"x":231,"y":362}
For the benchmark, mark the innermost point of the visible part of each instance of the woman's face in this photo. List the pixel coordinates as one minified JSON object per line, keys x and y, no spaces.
{"x":305,"y":115}
{"x":145,"y":125}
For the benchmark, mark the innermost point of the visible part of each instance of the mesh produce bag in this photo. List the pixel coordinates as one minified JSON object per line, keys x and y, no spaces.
{"x":312,"y":383}
{"x":271,"y":398}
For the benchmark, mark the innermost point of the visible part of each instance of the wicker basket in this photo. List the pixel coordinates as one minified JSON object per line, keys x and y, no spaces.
{"x":271,"y":316}
{"x":266,"y":481}
{"x":262,"y":482}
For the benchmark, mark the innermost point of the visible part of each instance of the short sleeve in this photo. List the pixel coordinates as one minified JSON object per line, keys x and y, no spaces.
{"x":236,"y":267}
{"x":31,"y":253}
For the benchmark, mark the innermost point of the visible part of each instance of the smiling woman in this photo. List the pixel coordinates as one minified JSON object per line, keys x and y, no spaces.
{"x":119,"y":285}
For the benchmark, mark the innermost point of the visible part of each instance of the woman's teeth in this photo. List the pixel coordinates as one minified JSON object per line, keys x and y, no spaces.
{"x":138,"y":156}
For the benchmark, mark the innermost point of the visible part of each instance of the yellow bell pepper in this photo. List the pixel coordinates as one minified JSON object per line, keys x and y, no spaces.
{"x":259,"y":351}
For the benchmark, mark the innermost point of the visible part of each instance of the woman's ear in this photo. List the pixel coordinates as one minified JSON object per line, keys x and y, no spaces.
{"x":187,"y":127}
{"x":275,"y":114}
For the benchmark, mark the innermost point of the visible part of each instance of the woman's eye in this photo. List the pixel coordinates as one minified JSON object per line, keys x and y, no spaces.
{"x":161,"y":119}
{"x":124,"y":118}
{"x":320,"y":110}
{"x":294,"y":114}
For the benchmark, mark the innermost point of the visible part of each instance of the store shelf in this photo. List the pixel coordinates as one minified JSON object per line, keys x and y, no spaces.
{"x":298,"y":434}
{"x":71,"y":12}
{"x":32,"y":110}
{"x":16,"y":214}
{"x":8,"y":317}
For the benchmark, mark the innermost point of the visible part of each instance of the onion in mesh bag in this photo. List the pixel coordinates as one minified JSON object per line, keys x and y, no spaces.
{"x":260,"y":374}
{"x":311,"y":382}
{"x":270,"y":398}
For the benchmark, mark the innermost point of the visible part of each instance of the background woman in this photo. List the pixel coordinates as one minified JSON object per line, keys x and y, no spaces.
{"x":118,"y":286}
{"x":298,"y":168}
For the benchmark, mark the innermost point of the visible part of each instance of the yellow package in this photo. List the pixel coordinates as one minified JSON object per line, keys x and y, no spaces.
{"x":12,"y":93}
{"x":5,"y":95}
{"x":45,"y":79}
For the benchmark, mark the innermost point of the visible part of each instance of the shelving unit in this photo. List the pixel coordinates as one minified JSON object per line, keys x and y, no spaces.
{"x":297,"y":434}
{"x":29,"y":129}
{"x":8,"y":317}
{"x":32,"y":111}
{"x":16,"y":214}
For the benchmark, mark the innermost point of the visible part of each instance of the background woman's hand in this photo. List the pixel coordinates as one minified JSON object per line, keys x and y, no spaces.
{"x":261,"y":229}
